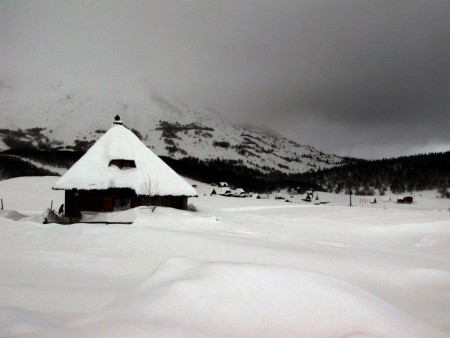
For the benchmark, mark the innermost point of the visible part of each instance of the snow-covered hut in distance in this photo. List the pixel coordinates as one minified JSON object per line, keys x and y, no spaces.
{"x":119,"y":172}
{"x":239,"y":192}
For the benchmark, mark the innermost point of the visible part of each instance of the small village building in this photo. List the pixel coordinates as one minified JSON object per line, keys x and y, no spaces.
{"x":224,"y":192}
{"x":309,"y":196}
{"x":239,"y":192}
{"x":405,"y":200}
{"x":221,"y":192}
{"x":223,"y":185}
{"x":119,"y":172}
{"x":292,"y":192}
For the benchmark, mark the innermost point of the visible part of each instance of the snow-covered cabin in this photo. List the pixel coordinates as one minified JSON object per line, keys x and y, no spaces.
{"x":221,"y":191}
{"x":239,"y":192}
{"x":279,"y":196}
{"x":223,"y":185}
{"x":119,"y":172}
{"x":309,"y":196}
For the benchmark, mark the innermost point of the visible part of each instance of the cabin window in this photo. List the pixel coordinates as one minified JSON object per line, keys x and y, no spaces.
{"x":122,"y":204}
{"x":122,"y":164}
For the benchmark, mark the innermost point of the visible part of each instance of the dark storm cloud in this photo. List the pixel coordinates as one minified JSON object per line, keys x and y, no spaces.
{"x":362,"y":78}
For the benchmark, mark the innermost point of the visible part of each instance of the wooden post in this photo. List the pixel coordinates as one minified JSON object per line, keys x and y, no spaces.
{"x":350,"y":197}
{"x":1,"y":203}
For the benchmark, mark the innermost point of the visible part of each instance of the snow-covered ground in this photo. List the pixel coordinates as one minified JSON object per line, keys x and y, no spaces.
{"x":235,"y":268}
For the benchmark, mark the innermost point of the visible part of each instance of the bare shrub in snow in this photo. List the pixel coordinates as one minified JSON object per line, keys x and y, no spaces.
{"x":152,"y":198}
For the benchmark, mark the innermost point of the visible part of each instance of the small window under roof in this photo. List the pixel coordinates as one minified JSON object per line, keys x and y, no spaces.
{"x":123,"y":164}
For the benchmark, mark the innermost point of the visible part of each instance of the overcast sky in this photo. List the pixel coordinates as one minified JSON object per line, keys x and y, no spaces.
{"x":358,"y":78}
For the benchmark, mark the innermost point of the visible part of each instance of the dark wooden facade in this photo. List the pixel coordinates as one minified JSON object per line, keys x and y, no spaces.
{"x":115,"y":199}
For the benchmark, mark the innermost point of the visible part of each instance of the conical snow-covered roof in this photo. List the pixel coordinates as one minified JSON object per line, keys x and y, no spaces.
{"x":150,"y":176}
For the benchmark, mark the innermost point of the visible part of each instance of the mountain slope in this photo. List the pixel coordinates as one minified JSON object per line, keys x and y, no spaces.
{"x":73,"y":119}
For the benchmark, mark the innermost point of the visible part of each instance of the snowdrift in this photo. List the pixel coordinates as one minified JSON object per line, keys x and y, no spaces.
{"x":185,"y":298}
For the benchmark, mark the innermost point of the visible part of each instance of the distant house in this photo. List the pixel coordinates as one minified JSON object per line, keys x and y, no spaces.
{"x":239,"y":192}
{"x":222,"y":192}
{"x":223,"y":185}
{"x":405,"y":200}
{"x":225,"y":192}
{"x":309,"y":196}
{"x":119,"y":172}
{"x":292,"y":192}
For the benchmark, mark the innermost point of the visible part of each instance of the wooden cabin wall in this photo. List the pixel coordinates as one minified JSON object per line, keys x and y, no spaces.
{"x":103,"y":200}
{"x":96,"y":200}
{"x":177,"y":202}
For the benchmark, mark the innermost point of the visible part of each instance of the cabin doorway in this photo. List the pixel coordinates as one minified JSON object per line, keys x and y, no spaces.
{"x":108,"y":204}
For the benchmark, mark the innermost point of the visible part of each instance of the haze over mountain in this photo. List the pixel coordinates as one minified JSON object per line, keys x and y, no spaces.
{"x":73,"y":119}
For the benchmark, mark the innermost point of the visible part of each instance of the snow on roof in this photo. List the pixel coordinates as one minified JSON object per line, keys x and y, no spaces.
{"x":93,"y":172}
{"x":223,"y":190}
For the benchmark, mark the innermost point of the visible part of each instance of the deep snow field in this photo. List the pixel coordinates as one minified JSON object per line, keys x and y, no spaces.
{"x":235,"y":268}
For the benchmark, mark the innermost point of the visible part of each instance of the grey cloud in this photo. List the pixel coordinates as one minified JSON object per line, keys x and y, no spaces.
{"x":361,"y":78}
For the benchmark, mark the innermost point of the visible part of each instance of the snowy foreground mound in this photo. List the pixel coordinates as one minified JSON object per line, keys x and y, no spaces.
{"x":185,"y":297}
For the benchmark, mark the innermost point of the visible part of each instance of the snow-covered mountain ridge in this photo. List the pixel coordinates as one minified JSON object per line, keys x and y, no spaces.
{"x":73,"y":119}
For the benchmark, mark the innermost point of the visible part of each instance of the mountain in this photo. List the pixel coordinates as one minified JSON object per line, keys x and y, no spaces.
{"x":72,"y":119}
{"x":45,"y":134}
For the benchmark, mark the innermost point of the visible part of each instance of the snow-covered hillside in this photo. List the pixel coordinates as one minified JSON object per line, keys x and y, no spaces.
{"x":235,"y":268}
{"x":67,"y":118}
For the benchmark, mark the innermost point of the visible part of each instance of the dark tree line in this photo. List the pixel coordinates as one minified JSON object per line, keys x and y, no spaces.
{"x":11,"y":167}
{"x":402,"y":174}
{"x":54,"y":158}
{"x":235,"y":173}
